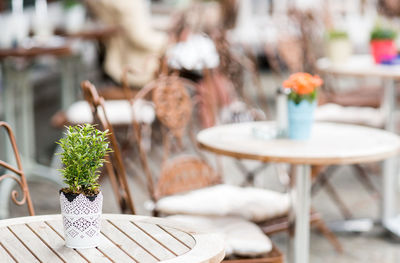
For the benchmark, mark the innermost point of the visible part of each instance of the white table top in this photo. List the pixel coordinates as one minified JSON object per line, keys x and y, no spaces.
{"x":359,"y":65}
{"x":125,"y":238}
{"x":330,"y":144}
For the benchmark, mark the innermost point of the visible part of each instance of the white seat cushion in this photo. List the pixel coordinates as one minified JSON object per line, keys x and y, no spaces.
{"x":119,"y":112}
{"x":242,"y":238}
{"x":227,"y":200}
{"x":354,"y":115}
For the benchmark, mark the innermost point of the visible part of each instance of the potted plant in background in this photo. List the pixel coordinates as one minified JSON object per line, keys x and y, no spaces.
{"x":338,"y":46}
{"x":383,"y":46}
{"x":75,"y":15}
{"x":84,"y":149}
{"x":301,"y":104}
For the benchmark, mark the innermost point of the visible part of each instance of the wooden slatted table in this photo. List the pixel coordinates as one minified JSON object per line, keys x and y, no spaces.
{"x":125,"y":238}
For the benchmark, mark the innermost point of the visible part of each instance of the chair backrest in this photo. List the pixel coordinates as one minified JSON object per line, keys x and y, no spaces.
{"x":174,"y":107}
{"x":17,"y":173}
{"x":114,"y":165}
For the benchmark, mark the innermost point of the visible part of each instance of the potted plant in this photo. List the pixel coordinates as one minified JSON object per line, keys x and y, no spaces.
{"x":84,"y":149}
{"x":338,"y":46}
{"x":75,"y":15}
{"x":301,"y":104}
{"x":383,"y":45}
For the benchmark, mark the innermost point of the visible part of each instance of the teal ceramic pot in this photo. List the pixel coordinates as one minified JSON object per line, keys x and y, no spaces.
{"x":301,"y":118}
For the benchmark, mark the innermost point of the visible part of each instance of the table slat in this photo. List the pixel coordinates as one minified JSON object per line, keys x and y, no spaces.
{"x":38,"y":248}
{"x":126,"y":244}
{"x":164,"y":238}
{"x":4,"y":256}
{"x":142,"y":238}
{"x":55,"y":242}
{"x":92,"y":255}
{"x":15,"y":247}
{"x":188,"y":240}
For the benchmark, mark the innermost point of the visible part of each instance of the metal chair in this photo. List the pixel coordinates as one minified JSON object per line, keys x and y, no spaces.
{"x":114,"y":165}
{"x":17,"y":174}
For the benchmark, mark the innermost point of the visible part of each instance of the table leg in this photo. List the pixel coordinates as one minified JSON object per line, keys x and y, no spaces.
{"x":389,"y":104}
{"x":68,"y":81}
{"x":390,"y":179}
{"x":27,"y":129}
{"x":299,"y":216}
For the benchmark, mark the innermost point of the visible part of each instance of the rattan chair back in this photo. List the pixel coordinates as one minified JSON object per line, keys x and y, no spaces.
{"x":173,"y":107}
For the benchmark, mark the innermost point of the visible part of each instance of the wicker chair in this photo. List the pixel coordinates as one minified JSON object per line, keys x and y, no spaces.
{"x":17,"y":174}
{"x":180,"y":173}
{"x":114,"y":165}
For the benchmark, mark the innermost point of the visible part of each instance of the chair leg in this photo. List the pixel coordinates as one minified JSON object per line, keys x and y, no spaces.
{"x":365,"y":180}
{"x":250,"y":174}
{"x":324,"y":182}
{"x":328,"y":234}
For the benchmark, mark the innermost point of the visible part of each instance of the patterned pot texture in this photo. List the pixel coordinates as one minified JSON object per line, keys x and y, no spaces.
{"x":300,"y":119}
{"x":82,"y":219}
{"x":383,"y":50}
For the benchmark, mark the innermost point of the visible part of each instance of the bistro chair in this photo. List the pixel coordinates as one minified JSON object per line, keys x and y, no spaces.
{"x":17,"y":173}
{"x":114,"y":165}
{"x":187,"y":173}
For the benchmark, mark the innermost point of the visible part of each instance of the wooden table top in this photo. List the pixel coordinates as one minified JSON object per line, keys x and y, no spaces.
{"x":58,"y":50}
{"x":359,"y":65}
{"x":97,"y":32}
{"x":125,"y":238}
{"x":330,"y":144}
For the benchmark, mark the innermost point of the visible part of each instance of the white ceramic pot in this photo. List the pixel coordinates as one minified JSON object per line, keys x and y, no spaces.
{"x":339,"y":50}
{"x":82,"y":219}
{"x":75,"y":18}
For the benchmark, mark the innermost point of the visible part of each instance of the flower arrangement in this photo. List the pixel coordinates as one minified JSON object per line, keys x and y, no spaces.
{"x":303,"y":86}
{"x":302,"y":103}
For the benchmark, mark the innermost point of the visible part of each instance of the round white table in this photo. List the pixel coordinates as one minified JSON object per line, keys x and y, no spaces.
{"x":330,"y":144}
{"x":124,"y":238}
{"x":364,"y":66}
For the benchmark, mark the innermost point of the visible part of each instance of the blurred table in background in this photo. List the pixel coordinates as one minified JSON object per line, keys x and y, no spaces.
{"x":330,"y":144}
{"x":91,"y":32}
{"x":363,"y":66}
{"x":18,"y":105}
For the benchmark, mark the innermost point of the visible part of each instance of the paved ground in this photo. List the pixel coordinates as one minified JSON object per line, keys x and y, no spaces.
{"x":374,"y":246}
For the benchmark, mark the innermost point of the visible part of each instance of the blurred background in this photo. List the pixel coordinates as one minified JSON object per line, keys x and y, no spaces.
{"x":237,"y":52}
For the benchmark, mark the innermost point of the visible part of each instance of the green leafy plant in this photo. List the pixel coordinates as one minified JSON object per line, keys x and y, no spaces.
{"x":337,"y":34}
{"x":84,"y":151}
{"x":297,"y":98}
{"x":70,"y":3}
{"x":380,"y":33}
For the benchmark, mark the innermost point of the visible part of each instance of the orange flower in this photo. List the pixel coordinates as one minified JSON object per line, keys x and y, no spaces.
{"x":303,"y":83}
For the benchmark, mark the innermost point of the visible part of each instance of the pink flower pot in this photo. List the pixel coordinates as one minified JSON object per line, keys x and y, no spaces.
{"x":383,"y":49}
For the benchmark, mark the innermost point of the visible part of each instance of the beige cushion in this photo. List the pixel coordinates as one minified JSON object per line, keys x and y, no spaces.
{"x":242,"y":238}
{"x":354,"y":115}
{"x":227,"y":200}
{"x":119,"y":112}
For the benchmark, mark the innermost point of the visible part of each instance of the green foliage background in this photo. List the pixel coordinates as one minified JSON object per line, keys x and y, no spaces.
{"x":84,"y":150}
